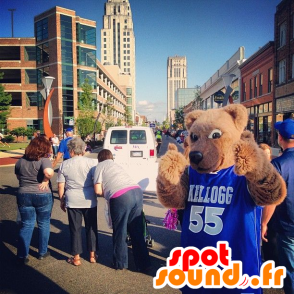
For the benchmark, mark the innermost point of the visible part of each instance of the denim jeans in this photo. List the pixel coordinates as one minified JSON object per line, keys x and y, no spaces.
{"x":126,"y":215}
{"x":34,"y":207}
{"x":286,"y":258}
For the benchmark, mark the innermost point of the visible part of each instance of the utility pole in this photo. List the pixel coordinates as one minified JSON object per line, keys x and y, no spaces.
{"x":12,"y":10}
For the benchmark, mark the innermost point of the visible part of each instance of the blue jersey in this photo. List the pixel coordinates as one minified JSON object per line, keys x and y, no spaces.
{"x":63,"y":148}
{"x":220,"y":208}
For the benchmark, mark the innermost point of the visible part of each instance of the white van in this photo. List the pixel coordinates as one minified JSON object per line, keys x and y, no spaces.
{"x":131,"y":144}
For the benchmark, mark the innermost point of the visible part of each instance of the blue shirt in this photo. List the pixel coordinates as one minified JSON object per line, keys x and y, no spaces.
{"x":220,"y":208}
{"x":63,"y":148}
{"x":283,"y":218}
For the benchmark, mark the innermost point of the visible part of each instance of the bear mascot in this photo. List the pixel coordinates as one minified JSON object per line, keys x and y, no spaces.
{"x":221,"y":188}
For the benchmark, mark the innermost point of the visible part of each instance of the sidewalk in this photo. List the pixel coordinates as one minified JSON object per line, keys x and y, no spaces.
{"x":10,"y":157}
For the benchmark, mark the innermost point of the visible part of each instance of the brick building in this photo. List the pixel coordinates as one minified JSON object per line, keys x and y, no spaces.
{"x":257,"y":92}
{"x":64,"y":47}
{"x":284,"y":61}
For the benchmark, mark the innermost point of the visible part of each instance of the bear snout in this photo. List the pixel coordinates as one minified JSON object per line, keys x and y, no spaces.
{"x":195,"y":156}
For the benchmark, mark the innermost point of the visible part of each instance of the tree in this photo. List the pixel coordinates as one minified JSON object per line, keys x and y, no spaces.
{"x":128,"y":116}
{"x":85,"y":121}
{"x":179,"y":117}
{"x":119,"y":122}
{"x":30,"y":132}
{"x":5,"y":102}
{"x":197,"y":104}
{"x":20,"y":131}
{"x":165,"y":124}
{"x":107,"y":109}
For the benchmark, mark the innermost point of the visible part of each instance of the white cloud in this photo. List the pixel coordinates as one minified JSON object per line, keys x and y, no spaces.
{"x":152,"y":110}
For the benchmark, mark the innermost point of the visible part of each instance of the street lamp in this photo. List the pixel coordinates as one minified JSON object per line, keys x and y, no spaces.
{"x":47,"y":94}
{"x":227,"y":79}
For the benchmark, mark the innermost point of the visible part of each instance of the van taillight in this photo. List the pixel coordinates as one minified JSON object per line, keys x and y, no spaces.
{"x":151,"y":152}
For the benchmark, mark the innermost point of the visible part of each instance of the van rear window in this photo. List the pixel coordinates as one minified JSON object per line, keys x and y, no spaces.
{"x":138,"y":137}
{"x":118,"y":137}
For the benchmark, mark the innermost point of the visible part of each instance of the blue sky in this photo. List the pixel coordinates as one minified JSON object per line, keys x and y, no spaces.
{"x":207,"y":32}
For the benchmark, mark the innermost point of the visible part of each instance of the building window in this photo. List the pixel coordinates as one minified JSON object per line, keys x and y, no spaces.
{"x":16,"y":99}
{"x":42,"y":72}
{"x":255,"y":86}
{"x":270,"y":80}
{"x":35,"y":124}
{"x":244,"y":91}
{"x":282,"y":71}
{"x":30,"y":76}
{"x":260,"y":84}
{"x":86,"y":56}
{"x":42,"y":52}
{"x":41,"y":29}
{"x":31,"y":99}
{"x":10,"y":53}
{"x":86,"y":34}
{"x":11,"y":76}
{"x":250,"y":93}
{"x":30,"y":53}
{"x":283,"y":34}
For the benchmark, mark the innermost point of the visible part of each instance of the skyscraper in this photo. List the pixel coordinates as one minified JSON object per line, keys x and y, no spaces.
{"x":176,"y":78}
{"x":118,"y":44}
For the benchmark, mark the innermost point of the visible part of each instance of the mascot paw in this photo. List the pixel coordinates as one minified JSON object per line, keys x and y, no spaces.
{"x":246,"y":154}
{"x":172,"y":165}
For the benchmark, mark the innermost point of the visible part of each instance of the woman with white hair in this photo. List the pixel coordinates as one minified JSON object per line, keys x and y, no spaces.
{"x":77,"y":196}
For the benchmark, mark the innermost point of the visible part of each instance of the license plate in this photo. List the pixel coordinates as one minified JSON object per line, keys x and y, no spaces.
{"x":136,"y":153}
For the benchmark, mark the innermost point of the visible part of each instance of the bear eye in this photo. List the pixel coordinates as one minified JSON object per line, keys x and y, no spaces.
{"x":193,"y":137}
{"x":215,"y":134}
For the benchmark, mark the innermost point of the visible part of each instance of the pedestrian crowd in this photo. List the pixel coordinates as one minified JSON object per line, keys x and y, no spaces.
{"x":81,"y":179}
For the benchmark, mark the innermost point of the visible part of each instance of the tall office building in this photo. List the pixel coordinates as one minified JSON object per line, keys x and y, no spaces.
{"x":176,"y":78}
{"x":118,"y":44}
{"x":64,"y":47}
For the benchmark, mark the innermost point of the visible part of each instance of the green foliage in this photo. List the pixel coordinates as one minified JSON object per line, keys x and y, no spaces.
{"x":85,"y":125}
{"x":8,"y":139}
{"x":197,"y":103}
{"x":85,"y":121}
{"x":165,"y":124}
{"x":179,"y":117}
{"x":86,"y":97}
{"x":119,"y":123}
{"x":128,"y":117}
{"x":20,"y":131}
{"x":5,"y":102}
{"x":30,"y":132}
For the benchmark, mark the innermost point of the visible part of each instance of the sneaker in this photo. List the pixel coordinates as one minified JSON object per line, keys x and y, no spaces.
{"x":22,"y":261}
{"x":41,"y":257}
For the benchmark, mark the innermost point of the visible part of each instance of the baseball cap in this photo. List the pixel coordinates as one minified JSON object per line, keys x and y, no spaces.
{"x":286,"y":128}
{"x":69,"y":130}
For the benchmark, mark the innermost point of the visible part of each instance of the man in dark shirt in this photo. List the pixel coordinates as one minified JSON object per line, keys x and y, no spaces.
{"x":63,"y":150}
{"x":283,"y":218}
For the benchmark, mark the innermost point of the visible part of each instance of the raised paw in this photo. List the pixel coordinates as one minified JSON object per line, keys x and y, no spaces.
{"x":246,"y":156}
{"x":171,"y":166}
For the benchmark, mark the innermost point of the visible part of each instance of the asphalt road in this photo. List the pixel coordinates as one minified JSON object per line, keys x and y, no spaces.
{"x":54,"y":274}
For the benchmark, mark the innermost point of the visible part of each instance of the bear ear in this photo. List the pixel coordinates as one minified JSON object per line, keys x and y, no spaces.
{"x":239,"y":114}
{"x":191,"y":117}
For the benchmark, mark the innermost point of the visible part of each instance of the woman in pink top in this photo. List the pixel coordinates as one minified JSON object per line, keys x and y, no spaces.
{"x":125,"y":199}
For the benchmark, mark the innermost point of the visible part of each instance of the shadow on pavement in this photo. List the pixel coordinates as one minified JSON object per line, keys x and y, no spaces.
{"x":20,"y":279}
